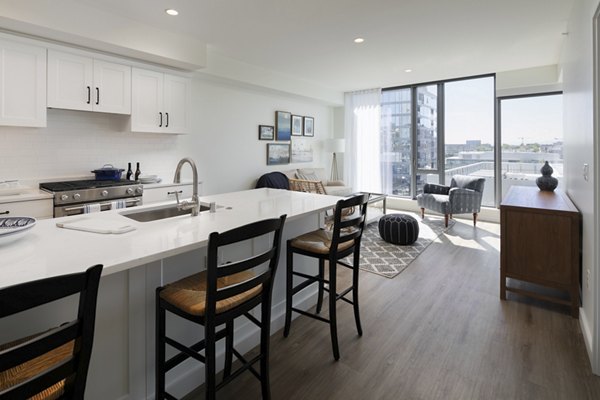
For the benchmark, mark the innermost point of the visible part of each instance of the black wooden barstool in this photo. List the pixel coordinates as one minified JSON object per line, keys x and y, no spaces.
{"x":330,"y":246}
{"x":216,"y":297}
{"x":52,"y":364}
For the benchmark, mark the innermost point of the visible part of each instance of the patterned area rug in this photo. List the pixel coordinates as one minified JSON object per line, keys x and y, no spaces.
{"x":386,"y":259}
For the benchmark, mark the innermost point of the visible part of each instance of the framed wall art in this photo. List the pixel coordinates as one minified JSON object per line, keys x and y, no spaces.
{"x":266,"y":132}
{"x":302,"y":151}
{"x":309,"y":126}
{"x":297,"y":125}
{"x":278,"y":153}
{"x":283,"y":125}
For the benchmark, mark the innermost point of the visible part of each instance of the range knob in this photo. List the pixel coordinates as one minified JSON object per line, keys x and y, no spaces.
{"x":129,"y":191}
{"x":104,"y":193}
{"x":139,"y":190}
{"x":64,"y":197}
{"x":76,"y":196}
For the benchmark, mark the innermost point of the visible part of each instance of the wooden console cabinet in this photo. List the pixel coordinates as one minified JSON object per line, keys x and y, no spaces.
{"x":540,"y":243}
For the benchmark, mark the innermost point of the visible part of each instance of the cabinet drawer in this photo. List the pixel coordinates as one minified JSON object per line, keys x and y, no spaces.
{"x":36,"y":208}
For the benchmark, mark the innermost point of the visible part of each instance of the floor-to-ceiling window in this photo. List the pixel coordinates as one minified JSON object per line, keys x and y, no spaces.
{"x":531,"y":133}
{"x":430,"y":132}
{"x":469,"y":131}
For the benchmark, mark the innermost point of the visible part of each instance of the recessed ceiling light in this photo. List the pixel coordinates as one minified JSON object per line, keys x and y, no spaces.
{"x":359,"y":40}
{"x":408,"y":70}
{"x":171,"y":11}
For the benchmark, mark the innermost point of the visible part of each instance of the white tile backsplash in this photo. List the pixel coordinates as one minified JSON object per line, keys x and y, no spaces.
{"x":76,"y":142}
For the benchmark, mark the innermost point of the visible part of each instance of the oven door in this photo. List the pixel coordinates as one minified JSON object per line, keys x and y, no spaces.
{"x":78,"y":209}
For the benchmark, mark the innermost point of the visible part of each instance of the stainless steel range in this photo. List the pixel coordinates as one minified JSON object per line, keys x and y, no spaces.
{"x":79,"y":197}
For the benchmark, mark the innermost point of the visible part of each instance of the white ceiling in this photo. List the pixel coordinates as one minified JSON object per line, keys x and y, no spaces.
{"x":312,"y":40}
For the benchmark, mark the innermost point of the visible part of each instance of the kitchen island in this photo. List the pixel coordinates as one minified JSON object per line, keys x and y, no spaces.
{"x":135,"y":263}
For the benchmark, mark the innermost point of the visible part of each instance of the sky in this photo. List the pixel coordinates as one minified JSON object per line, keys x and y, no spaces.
{"x":470,"y":115}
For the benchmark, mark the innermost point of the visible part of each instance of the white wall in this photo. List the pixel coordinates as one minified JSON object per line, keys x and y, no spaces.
{"x":227,"y":115}
{"x":579,"y":144}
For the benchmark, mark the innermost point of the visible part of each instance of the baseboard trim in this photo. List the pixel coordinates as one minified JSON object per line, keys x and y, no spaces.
{"x":587,"y":335}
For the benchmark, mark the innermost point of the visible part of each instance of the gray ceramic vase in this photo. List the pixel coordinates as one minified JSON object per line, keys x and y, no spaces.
{"x":547,"y":182}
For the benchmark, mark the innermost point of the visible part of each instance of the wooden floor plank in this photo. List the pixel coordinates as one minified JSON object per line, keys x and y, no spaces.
{"x":436,"y":331}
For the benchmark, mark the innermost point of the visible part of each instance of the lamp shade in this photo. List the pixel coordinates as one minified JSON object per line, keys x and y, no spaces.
{"x":335,"y":145}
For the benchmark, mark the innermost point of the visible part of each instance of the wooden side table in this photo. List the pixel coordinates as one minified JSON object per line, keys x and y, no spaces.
{"x":540,"y":242}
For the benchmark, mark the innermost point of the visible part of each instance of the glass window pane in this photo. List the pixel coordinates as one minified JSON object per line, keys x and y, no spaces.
{"x":396,"y":141}
{"x":427,"y":127}
{"x":469,"y":132}
{"x":531,"y":132}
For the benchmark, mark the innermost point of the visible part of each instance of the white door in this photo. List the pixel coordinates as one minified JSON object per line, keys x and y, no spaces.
{"x":112,"y":88}
{"x":22,"y":84}
{"x":70,"y":81}
{"x":147,"y":114}
{"x":177,"y":92}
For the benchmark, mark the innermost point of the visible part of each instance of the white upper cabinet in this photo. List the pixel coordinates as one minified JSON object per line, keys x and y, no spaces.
{"x":22,"y":84}
{"x":82,"y":83}
{"x":160,"y":102}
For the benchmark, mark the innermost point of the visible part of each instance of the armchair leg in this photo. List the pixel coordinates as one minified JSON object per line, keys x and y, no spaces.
{"x":446,"y":220}
{"x":474,"y":219}
{"x":422,"y":213}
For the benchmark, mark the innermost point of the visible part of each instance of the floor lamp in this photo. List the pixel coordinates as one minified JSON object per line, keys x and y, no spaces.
{"x":335,"y":146}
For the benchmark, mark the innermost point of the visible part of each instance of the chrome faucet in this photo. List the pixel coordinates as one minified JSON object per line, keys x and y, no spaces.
{"x":194,"y":204}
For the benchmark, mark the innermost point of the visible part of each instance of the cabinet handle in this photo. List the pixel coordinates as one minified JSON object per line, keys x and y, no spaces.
{"x":4,"y":212}
{"x":89,"y":94}
{"x":160,"y":125}
{"x":167,"y":125}
{"x":97,"y":95}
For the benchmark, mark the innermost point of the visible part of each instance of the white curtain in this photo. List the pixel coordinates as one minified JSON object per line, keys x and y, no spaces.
{"x":362,"y":159}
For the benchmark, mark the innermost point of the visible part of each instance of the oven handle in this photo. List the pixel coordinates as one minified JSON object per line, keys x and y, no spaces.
{"x":101,"y":205}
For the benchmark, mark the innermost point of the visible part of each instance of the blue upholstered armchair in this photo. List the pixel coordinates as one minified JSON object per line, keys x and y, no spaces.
{"x":462,"y":196}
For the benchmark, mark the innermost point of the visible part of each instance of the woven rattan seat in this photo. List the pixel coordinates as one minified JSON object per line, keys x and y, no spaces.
{"x":189,"y":294}
{"x":318,"y":241}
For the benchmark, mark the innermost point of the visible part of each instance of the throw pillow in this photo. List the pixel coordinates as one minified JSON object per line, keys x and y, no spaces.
{"x":307,"y":176}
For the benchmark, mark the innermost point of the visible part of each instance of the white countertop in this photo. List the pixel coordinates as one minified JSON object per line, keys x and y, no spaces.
{"x":48,"y":250}
{"x":27,"y":195}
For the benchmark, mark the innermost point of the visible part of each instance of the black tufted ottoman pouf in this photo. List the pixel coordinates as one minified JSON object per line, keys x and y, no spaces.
{"x":398,"y":229}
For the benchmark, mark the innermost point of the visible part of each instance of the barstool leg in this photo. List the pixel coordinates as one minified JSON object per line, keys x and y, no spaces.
{"x":228,"y":349}
{"x":332,"y":309}
{"x":321,"y":285}
{"x":355,"y":270}
{"x":210,"y":380}
{"x":265,"y":336}
{"x":288,"y":289}
{"x":160,"y":349}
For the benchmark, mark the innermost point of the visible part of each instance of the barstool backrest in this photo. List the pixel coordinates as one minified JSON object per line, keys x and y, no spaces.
{"x":349,"y":220}
{"x":79,"y":333}
{"x":260,"y":279}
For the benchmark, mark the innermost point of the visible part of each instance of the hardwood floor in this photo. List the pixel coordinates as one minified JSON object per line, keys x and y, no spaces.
{"x":436,"y":331}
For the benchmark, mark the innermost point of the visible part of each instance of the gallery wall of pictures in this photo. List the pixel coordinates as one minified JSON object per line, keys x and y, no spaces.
{"x":292,"y":129}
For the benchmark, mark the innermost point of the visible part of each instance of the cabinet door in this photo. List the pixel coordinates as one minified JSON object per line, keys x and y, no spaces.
{"x":70,"y":81}
{"x":22,"y":84}
{"x":177,"y":92}
{"x":112,"y":88}
{"x":147,"y":101}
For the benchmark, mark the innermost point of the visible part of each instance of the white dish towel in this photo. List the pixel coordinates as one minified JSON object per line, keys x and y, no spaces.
{"x":117,"y":204}
{"x":91,"y":208}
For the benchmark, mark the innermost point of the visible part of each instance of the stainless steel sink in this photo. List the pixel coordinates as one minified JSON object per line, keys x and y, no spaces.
{"x":155,"y":214}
